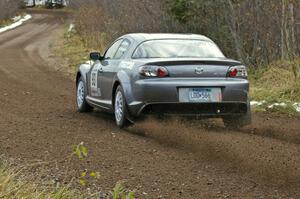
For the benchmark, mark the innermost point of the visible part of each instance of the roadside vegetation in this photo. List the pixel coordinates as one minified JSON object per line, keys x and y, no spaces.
{"x":8,"y":10}
{"x":276,"y":87}
{"x":16,"y":183}
{"x":277,"y":82}
{"x":20,"y":182}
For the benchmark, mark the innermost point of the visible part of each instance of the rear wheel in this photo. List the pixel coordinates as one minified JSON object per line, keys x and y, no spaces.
{"x":81,"y":93}
{"x":238,"y":122}
{"x":120,"y":108}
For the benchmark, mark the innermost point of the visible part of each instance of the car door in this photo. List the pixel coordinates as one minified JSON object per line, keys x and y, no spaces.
{"x":94,"y":76}
{"x":109,"y":70}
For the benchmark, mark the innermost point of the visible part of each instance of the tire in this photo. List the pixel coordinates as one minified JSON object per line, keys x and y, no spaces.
{"x":120,"y":108}
{"x":81,"y":93}
{"x":238,"y":122}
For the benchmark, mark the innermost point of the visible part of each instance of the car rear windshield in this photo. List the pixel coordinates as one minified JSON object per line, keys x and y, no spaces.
{"x":177,"y":49}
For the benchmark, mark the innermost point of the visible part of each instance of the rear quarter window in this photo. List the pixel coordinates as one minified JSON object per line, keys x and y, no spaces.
{"x":122,"y":49}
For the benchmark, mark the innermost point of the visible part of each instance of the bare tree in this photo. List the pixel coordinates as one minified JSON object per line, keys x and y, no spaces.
{"x":292,"y":29}
{"x":232,"y":23}
{"x":103,"y":21}
{"x":254,"y":31}
{"x":283,"y":27}
{"x":9,"y":8}
{"x":258,"y":32}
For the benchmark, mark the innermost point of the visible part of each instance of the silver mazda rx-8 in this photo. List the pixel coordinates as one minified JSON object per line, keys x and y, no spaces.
{"x":164,"y":74}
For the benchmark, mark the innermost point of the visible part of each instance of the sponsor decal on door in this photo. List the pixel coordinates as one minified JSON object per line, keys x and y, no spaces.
{"x":95,"y":89}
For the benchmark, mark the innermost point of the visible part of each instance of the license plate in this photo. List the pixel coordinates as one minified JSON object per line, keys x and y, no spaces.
{"x":200,"y":95}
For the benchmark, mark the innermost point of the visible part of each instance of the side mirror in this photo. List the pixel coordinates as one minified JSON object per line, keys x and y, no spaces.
{"x":95,"y":56}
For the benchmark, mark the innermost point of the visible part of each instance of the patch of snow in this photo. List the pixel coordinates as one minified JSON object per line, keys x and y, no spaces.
{"x":16,"y":18}
{"x":297,"y":106}
{"x":18,"y":22}
{"x":42,"y":2}
{"x":256,"y":103}
{"x":271,"y":106}
{"x":282,"y":104}
{"x":71,"y":28}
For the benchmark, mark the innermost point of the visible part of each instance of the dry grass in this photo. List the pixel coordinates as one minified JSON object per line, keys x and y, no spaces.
{"x":19,"y":182}
{"x":98,"y":23}
{"x":5,"y":22}
{"x":71,"y":51}
{"x":16,"y":183}
{"x":95,"y":28}
{"x":280,"y":81}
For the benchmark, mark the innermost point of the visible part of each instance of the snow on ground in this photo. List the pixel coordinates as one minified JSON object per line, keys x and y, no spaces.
{"x":17,"y":22}
{"x":297,"y":107}
{"x":256,"y":103}
{"x":41,"y":2}
{"x":282,"y":104}
{"x":71,"y":28}
{"x":273,"y":105}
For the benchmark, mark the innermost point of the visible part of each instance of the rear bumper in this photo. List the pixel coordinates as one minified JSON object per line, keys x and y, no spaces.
{"x":151,"y":96}
{"x":195,"y":109}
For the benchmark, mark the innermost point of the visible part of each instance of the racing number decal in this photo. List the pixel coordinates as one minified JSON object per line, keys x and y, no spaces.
{"x":94,"y":79}
{"x":95,"y":91}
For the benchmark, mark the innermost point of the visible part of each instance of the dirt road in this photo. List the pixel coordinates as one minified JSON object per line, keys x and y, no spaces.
{"x":170,"y":159}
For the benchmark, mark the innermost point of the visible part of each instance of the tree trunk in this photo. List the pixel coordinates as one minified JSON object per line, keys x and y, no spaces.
{"x":292,"y":29}
{"x":283,"y":48}
{"x":256,"y":7}
{"x":232,"y":23}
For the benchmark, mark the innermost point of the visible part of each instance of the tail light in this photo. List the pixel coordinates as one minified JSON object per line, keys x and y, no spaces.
{"x":153,"y":71}
{"x":237,"y":71}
